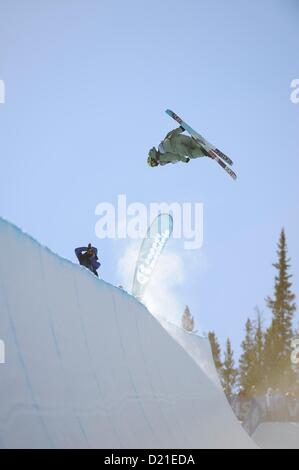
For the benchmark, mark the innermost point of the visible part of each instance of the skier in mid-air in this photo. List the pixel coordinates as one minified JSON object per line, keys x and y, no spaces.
{"x":88,"y":257}
{"x":176,"y":148}
{"x":181,"y":148}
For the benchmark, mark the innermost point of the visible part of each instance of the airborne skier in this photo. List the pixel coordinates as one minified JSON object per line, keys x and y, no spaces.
{"x":181,"y":148}
{"x":175,"y":148}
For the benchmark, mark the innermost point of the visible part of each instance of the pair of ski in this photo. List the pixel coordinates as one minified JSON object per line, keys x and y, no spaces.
{"x":211,"y":150}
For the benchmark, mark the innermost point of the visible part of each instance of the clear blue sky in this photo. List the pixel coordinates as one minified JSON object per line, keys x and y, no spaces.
{"x":87,"y":83}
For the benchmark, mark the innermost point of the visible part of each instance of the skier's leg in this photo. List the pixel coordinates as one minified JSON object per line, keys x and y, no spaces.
{"x":196,"y":151}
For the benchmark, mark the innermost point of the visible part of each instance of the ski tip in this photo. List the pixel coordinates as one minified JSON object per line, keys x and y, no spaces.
{"x":168,"y":111}
{"x":231,"y":173}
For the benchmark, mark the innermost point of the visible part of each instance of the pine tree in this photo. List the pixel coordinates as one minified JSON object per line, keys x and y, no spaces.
{"x":251,"y":363}
{"x":216,"y":351}
{"x":259,"y":362}
{"x":247,"y":363}
{"x":229,"y":372}
{"x":187,"y":320}
{"x":278,"y":370}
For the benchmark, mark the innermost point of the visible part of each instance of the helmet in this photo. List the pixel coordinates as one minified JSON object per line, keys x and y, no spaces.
{"x":152,"y":159}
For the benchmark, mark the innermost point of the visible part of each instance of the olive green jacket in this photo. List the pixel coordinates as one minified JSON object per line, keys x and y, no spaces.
{"x":177,"y":147}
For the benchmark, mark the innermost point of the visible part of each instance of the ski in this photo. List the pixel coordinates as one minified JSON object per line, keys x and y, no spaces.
{"x":211,"y":149}
{"x":225,"y":167}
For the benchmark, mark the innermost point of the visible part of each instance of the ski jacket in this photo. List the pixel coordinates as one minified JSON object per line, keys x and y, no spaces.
{"x":176,"y":147}
{"x":90,"y":262}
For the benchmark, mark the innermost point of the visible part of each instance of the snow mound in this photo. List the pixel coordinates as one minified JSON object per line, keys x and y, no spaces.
{"x":87,"y":366}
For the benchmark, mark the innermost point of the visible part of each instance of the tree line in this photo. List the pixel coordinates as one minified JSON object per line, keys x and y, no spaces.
{"x":265,"y":361}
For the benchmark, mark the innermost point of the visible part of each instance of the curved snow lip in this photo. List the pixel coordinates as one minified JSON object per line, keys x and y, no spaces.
{"x":89,"y":367}
{"x":197,"y":346}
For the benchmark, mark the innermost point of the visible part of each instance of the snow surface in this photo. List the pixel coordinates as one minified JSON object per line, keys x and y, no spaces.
{"x":197,"y":347}
{"x":87,"y":366}
{"x":280,"y":436}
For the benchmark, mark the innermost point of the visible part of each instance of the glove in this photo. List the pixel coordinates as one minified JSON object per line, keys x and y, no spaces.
{"x":187,"y":160}
{"x":183,"y":129}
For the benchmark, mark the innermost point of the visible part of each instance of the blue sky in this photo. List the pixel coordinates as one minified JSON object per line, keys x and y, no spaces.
{"x":87,"y":83}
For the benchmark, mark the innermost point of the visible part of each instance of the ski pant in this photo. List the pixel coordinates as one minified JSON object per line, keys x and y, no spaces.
{"x":194,"y":150}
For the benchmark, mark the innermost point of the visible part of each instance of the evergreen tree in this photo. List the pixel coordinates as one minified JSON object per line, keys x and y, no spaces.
{"x":187,"y":320}
{"x":247,"y":363}
{"x":278,"y":370}
{"x":229,"y":372}
{"x":251,"y":365}
{"x":259,"y":362}
{"x":216,"y":351}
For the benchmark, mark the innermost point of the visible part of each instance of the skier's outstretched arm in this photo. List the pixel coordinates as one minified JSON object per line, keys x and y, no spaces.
{"x":80,"y":250}
{"x":175,"y":132}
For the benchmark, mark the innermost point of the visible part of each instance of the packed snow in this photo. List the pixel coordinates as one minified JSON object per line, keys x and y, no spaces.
{"x":88,"y":366}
